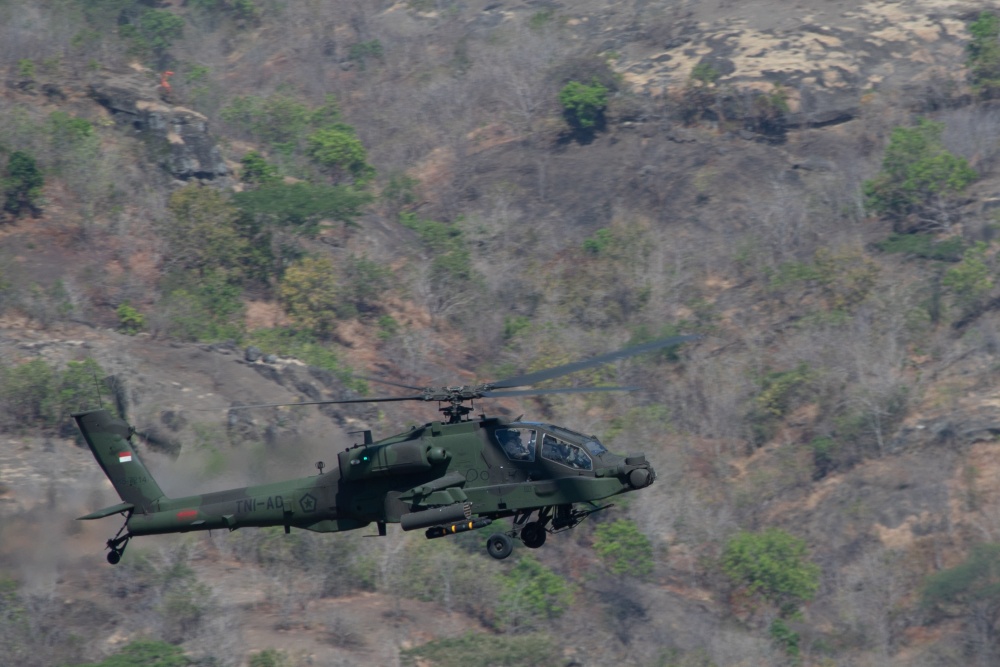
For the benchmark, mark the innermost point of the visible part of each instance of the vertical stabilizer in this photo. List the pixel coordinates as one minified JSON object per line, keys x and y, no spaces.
{"x":109,"y":439}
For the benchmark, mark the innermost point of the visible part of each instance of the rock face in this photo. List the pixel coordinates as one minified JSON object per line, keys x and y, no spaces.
{"x":824,"y":55}
{"x":191,"y":152}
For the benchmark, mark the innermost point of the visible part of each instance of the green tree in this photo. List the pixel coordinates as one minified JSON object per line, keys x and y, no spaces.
{"x":583,"y":105}
{"x":984,"y":55}
{"x":37,"y":394}
{"x":971,"y":280}
{"x":974,"y":581}
{"x":310,"y":295}
{"x":300,"y":207}
{"x":919,"y":178}
{"x":624,"y":548}
{"x":202,"y":233}
{"x":277,"y":119}
{"x":152,"y":32}
{"x":25,"y":389}
{"x":257,"y":171}
{"x":970,"y":590}
{"x":339,"y":152}
{"x":22,"y":186}
{"x":771,"y":565}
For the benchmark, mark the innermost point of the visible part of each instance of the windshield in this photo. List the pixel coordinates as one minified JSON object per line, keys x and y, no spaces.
{"x":563,"y":452}
{"x":589,"y":442}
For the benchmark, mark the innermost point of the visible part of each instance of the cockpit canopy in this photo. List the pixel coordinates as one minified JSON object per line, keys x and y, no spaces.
{"x":523,"y":441}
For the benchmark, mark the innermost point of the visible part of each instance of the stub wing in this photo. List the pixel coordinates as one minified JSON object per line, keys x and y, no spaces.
{"x":108,"y":511}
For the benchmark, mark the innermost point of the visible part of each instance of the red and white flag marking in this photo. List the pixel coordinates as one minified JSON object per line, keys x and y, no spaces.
{"x":124,"y":457}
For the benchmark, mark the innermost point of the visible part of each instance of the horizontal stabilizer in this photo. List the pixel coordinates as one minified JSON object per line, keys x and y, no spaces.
{"x":108,"y":511}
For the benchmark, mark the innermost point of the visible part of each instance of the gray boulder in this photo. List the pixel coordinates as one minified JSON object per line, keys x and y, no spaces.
{"x":134,"y":101}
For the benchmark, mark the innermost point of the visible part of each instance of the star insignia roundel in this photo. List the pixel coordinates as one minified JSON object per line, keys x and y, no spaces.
{"x":307,"y":503}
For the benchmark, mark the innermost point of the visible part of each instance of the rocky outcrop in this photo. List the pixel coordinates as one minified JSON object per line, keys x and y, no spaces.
{"x":191,"y":152}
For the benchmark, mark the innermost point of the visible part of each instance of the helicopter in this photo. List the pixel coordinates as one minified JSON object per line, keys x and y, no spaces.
{"x":448,"y":476}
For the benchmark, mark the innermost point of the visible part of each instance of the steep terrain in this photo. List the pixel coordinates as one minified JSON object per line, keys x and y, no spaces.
{"x":843,"y":393}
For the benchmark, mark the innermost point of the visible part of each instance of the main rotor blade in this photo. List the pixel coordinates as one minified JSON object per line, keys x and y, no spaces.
{"x":394,"y":384}
{"x":549,"y":373}
{"x":381,"y":399}
{"x":564,"y":390}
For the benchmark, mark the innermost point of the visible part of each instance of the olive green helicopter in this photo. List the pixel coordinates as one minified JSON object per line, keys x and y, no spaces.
{"x":449,"y":476}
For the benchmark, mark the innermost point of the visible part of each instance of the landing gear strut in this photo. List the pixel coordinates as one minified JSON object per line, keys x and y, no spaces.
{"x":118,"y":543}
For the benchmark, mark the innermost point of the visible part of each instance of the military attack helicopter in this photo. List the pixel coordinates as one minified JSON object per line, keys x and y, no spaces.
{"x":447,"y":477}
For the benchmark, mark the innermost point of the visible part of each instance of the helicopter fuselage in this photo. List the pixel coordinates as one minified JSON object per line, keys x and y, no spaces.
{"x":428,"y":467}
{"x":445,"y":477}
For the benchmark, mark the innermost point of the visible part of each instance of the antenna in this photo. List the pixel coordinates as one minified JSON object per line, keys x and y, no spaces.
{"x":100,"y":402}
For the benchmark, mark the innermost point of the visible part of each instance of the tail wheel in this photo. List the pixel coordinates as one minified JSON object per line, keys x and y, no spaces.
{"x":499,"y":545}
{"x":533,"y":535}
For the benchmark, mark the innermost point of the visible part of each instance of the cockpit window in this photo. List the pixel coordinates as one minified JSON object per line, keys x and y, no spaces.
{"x":518,"y":443}
{"x":594,"y":447}
{"x":562,"y":452}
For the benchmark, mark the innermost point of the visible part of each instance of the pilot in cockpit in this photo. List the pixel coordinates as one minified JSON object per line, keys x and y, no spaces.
{"x":513,"y":445}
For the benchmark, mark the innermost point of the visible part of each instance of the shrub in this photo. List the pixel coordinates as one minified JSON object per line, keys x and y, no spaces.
{"x":624,"y":548}
{"x":145,"y":653}
{"x":362,"y":52}
{"x":971,"y":584}
{"x":365,"y":281}
{"x":451,"y":278}
{"x":22,"y":185}
{"x":924,"y":246}
{"x":205,"y":308}
{"x":583,"y":105}
{"x":602,"y":240}
{"x":130,"y":320}
{"x":771,"y":565}
{"x":532,"y":650}
{"x":268,"y":658}
{"x":26,"y":68}
{"x":705,"y":74}
{"x":845,"y":278}
{"x":919,"y":178}
{"x":532,"y":591}
{"x":971,"y":280}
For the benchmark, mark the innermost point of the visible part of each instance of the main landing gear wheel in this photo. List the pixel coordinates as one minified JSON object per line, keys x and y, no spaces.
{"x":117,"y":546}
{"x":499,"y":545}
{"x":533,"y":535}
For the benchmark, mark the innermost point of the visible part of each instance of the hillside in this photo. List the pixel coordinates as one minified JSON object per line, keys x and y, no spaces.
{"x":218,"y":203}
